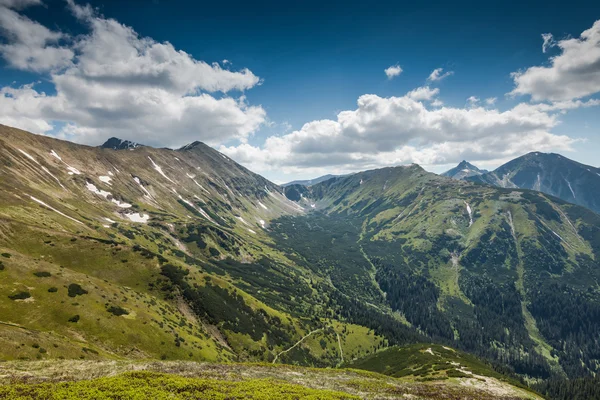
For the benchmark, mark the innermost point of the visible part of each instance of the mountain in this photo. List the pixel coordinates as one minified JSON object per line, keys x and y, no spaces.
{"x":186,"y":255}
{"x":464,"y":170}
{"x":119,"y":144}
{"x":549,"y":173}
{"x":310,"y":182}
{"x":507,"y":274}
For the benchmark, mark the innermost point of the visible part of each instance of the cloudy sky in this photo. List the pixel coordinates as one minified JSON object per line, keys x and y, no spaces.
{"x":309,"y":89}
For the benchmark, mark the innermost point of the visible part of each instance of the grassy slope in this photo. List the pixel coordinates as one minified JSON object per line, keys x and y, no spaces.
{"x":257,"y":381}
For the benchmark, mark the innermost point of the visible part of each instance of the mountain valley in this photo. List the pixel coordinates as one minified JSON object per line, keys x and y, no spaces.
{"x":135,"y":253}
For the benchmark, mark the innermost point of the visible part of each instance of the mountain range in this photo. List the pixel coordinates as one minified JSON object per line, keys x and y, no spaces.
{"x":552,"y":174}
{"x":186,"y":255}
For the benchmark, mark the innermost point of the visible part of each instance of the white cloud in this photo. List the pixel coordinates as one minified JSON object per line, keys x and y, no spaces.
{"x":437,"y":103}
{"x":573,"y":74}
{"x":399,"y":130}
{"x":423,"y":93}
{"x":438,"y":74}
{"x":112,"y":82}
{"x":393,"y":71}
{"x":30,"y":46}
{"x":19,"y":4}
{"x":472,"y":101}
{"x":548,"y":42}
{"x":490,"y":101}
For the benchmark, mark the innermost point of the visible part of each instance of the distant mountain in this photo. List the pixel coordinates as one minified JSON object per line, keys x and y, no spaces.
{"x":464,"y":170}
{"x":549,"y":173}
{"x":119,"y":144}
{"x":311,"y":182}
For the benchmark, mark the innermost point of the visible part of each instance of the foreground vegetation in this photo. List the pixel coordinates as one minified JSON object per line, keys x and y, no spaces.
{"x":184,"y":380}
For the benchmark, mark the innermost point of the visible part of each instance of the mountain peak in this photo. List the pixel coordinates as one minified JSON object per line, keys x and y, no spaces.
{"x":115,"y":143}
{"x":192,"y":145}
{"x":463,"y":169}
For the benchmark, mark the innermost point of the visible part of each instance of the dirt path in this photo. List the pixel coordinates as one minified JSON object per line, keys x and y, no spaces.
{"x":296,"y":344}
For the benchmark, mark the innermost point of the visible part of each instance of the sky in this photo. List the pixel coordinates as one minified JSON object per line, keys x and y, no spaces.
{"x":295,"y":91}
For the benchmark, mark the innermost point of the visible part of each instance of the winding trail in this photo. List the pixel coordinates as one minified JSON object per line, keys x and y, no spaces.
{"x":296,"y":344}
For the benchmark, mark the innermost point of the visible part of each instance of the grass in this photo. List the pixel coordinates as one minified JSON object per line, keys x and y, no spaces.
{"x":152,"y":385}
{"x":185,"y":380}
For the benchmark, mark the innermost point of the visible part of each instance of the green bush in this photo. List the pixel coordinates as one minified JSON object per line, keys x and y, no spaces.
{"x":53,"y":290}
{"x":6,"y":255}
{"x":76,"y":290}
{"x":74,"y":318}
{"x":116,"y":310}
{"x":42,"y":274}
{"x":20,"y":296}
{"x":1,"y":266}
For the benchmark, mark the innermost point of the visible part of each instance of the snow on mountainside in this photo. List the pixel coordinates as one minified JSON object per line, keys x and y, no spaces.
{"x":89,"y":184}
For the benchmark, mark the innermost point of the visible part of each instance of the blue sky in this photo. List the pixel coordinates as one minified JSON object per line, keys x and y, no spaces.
{"x":307,"y":63}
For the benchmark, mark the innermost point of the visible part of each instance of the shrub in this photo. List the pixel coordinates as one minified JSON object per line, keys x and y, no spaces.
{"x":20,"y":296}
{"x":74,"y":318}
{"x":6,"y":255}
{"x":42,"y":274}
{"x":1,"y":266}
{"x":53,"y":290}
{"x":76,"y":290}
{"x":116,"y":310}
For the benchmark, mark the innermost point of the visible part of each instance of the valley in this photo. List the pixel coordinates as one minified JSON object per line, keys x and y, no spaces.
{"x":126,"y":254}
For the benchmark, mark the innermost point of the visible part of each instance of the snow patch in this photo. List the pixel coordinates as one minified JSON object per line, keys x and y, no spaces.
{"x":429,"y":351}
{"x":262,"y":205}
{"x":251,"y":231}
{"x":192,"y":177}
{"x":73,"y":171}
{"x":105,"y":179}
{"x":262,"y":223}
{"x":571,"y":189}
{"x":121,"y":203}
{"x":92,"y":188}
{"x":470,"y":214}
{"x":54,"y":154}
{"x":159,"y":170}
{"x":137,"y":217}
{"x":52,"y":175}
{"x":139,"y":182}
{"x":55,"y":210}
{"x":110,"y":220}
{"x":28,"y":156}
{"x":242,"y":220}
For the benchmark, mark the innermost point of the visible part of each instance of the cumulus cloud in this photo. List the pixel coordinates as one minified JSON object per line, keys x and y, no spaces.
{"x":423,"y":93}
{"x":30,"y":46}
{"x":490,"y":101}
{"x":112,"y":82}
{"x":438,"y":74}
{"x":573,"y":74}
{"x":399,"y":130}
{"x":393,"y":71}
